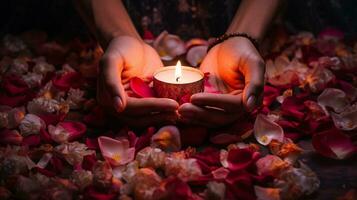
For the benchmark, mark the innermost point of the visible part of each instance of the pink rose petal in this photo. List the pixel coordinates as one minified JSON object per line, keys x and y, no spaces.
{"x":196,"y":54}
{"x":193,"y":135}
{"x":140,"y":88}
{"x":116,"y":152}
{"x":265,"y":130}
{"x":333,"y":98}
{"x":346,"y":120}
{"x":333,"y":144}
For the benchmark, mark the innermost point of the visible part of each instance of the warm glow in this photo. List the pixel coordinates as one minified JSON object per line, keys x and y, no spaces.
{"x":178,"y":71}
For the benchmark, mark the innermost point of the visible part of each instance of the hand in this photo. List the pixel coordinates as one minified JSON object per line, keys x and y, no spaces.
{"x":237,"y":70}
{"x":127,"y":57}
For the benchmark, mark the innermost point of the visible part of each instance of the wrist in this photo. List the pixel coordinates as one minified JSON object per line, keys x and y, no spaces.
{"x":228,"y":36}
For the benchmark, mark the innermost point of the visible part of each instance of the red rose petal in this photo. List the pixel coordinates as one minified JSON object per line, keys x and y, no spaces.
{"x":14,"y":85}
{"x":10,"y":137}
{"x":52,"y":119}
{"x":224,"y":138}
{"x":45,"y":136}
{"x":292,"y":107}
{"x":140,"y":88}
{"x":32,"y":140}
{"x":270,"y":94}
{"x":75,"y":129}
{"x":334,"y":144}
{"x":239,"y":159}
{"x":210,"y":156}
{"x":92,"y":143}
{"x":175,"y":189}
{"x":93,"y":194}
{"x":88,"y":162}
{"x":67,"y":80}
{"x":15,"y":101}
{"x":145,"y":139}
{"x":239,"y":186}
{"x":331,"y":33}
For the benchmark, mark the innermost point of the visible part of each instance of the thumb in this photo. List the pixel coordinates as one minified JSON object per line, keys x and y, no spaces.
{"x":254,"y":83}
{"x":111,"y":67}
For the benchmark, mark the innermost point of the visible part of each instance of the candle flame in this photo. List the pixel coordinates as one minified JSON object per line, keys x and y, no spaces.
{"x":178,"y":71}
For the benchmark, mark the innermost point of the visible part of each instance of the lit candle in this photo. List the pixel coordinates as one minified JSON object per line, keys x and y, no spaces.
{"x":175,"y":82}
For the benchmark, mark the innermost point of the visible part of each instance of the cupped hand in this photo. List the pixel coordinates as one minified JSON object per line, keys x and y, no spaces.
{"x":237,"y":70}
{"x":127,"y":57}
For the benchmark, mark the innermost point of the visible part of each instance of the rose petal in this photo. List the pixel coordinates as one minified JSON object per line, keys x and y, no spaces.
{"x":92,"y":143}
{"x":75,"y":129}
{"x":239,"y":159}
{"x":346,"y":120}
{"x":14,"y":101}
{"x":174,"y":188}
{"x":52,"y":119}
{"x":92,"y":193}
{"x":11,"y":137}
{"x":351,"y":92}
{"x":224,"y":138}
{"x":167,"y":138}
{"x":116,"y":152}
{"x":267,"y":193}
{"x":32,"y":140}
{"x":265,"y":130}
{"x":88,"y":162}
{"x":140,"y":88}
{"x":333,"y":144}
{"x":331,"y":33}
{"x":14,"y":85}
{"x":144,"y":139}
{"x":169,"y":46}
{"x":220,"y":173}
{"x":333,"y":98}
{"x":292,"y":107}
{"x":196,"y":54}
{"x":67,"y":80}
{"x":270,"y":95}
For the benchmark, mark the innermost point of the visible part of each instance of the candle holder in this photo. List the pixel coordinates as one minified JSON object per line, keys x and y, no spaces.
{"x":174,"y":88}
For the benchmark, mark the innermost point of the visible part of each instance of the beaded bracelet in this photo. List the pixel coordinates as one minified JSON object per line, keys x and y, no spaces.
{"x":226,"y":36}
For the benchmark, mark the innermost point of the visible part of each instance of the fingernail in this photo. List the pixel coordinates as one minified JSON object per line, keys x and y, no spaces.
{"x":251,"y":103}
{"x":118,"y":104}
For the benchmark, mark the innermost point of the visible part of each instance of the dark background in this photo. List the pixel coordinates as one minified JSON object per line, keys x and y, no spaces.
{"x":58,"y":17}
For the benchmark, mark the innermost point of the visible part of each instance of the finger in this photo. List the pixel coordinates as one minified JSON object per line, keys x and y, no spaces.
{"x":111,"y":67}
{"x":142,"y":106}
{"x":210,"y":117}
{"x":150,"y":119}
{"x":254,"y":82}
{"x":229,"y":103}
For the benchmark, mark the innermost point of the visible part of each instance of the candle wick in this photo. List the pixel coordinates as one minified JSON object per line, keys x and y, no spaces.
{"x":177,"y":79}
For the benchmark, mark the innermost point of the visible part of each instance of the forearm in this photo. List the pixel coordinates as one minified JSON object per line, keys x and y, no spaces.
{"x":106,"y":19}
{"x":253,"y":17}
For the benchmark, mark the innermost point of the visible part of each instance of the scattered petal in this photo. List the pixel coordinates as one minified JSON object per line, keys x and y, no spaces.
{"x":265,"y":130}
{"x":116,"y":152}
